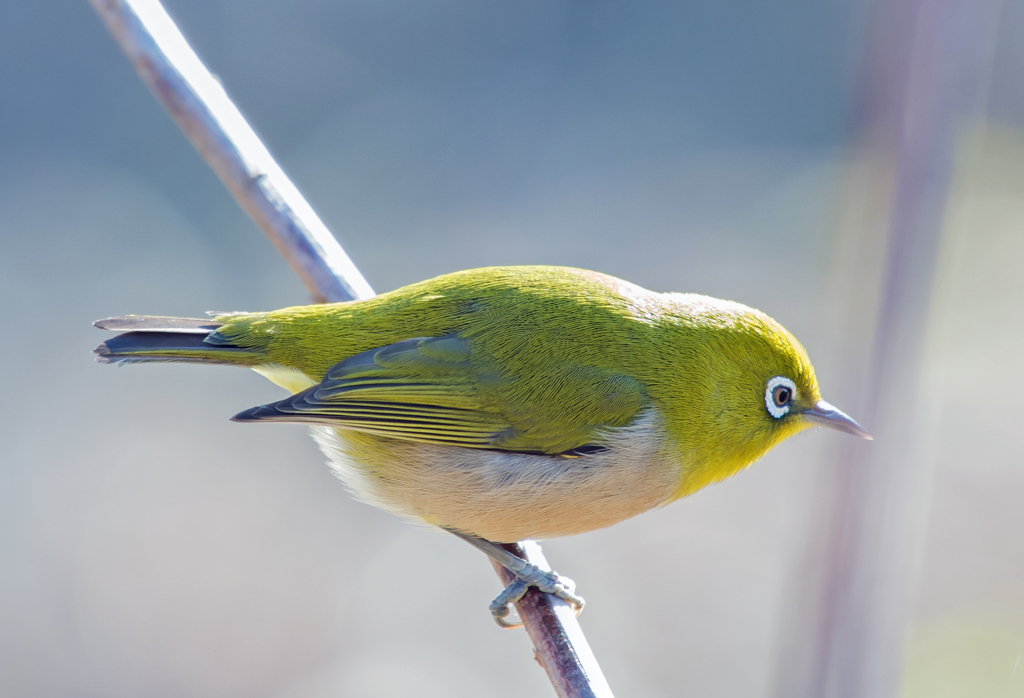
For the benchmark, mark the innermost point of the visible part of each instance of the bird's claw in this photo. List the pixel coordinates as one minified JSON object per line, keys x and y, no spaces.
{"x":525,"y":575}
{"x":529,"y":575}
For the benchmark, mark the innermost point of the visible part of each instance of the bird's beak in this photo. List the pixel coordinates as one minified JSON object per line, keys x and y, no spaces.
{"x":825,"y":415}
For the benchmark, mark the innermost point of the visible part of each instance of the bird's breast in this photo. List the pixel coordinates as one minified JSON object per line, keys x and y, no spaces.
{"x":506,"y":496}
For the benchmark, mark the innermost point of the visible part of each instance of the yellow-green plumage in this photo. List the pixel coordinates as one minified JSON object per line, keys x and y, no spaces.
{"x":518,"y":401}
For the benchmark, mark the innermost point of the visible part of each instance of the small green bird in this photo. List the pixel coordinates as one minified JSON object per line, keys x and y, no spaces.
{"x":509,"y":403}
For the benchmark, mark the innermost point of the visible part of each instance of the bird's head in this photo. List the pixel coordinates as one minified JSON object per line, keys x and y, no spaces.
{"x":746,"y":384}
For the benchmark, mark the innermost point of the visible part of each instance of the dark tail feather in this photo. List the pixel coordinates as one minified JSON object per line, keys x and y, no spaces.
{"x":168,"y":339}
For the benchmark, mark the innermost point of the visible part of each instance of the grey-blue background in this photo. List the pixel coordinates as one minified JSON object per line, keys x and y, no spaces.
{"x":150,"y":547}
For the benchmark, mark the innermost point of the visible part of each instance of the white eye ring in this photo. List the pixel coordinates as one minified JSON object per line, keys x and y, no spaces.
{"x":778,"y":411}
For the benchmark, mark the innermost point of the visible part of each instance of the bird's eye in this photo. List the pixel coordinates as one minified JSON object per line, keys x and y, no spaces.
{"x":778,"y":396}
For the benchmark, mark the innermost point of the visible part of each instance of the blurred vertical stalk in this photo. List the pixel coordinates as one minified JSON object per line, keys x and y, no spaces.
{"x":924,"y":68}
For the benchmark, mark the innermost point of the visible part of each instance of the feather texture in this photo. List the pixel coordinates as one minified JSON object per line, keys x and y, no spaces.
{"x":430,"y":390}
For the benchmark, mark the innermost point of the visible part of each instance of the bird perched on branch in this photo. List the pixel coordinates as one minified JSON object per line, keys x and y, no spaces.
{"x":509,"y":403}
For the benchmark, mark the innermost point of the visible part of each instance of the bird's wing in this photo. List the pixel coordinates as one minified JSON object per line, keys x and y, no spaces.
{"x":438,"y":390}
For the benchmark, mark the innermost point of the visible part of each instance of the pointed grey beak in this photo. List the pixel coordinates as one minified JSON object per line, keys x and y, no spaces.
{"x":825,"y":415}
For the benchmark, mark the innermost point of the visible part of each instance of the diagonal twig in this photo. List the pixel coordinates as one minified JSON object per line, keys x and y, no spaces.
{"x":216,"y":128}
{"x":213,"y":124}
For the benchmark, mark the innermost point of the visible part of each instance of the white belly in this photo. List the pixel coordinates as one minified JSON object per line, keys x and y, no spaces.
{"x":505,"y":497}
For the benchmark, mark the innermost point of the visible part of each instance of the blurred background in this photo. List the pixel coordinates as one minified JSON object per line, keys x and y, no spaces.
{"x":753,"y":151}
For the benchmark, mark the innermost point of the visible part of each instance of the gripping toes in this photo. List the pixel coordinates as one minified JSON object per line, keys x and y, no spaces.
{"x":529,"y":575}
{"x":526,"y":575}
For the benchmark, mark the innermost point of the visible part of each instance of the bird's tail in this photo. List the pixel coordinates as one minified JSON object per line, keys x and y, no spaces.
{"x":149,"y":338}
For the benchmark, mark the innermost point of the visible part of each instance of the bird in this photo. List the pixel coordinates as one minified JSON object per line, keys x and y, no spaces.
{"x":512,"y":403}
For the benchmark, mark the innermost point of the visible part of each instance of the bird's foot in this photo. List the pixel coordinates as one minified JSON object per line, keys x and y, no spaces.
{"x":526,"y":575}
{"x":530,"y":575}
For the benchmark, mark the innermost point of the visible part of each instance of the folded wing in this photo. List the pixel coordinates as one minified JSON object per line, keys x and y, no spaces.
{"x":437,"y":390}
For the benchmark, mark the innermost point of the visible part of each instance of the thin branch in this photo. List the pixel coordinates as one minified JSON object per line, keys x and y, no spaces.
{"x":209,"y":119}
{"x":565,"y":655}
